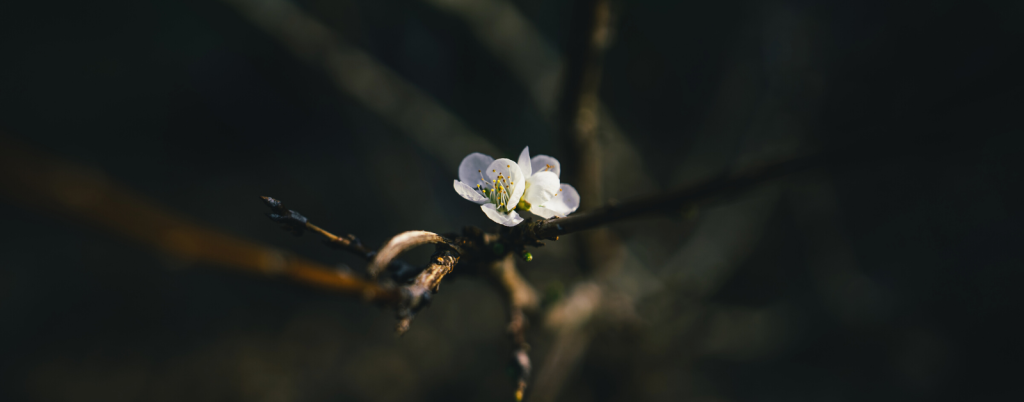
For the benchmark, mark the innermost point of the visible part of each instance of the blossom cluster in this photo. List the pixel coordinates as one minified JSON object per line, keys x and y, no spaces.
{"x":501,"y":186}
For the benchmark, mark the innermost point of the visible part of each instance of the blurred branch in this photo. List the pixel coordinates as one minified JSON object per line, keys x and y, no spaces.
{"x":43,"y":182}
{"x":521,"y":297}
{"x":579,"y":106}
{"x":440,"y":132}
{"x":511,"y":37}
{"x":579,"y":109}
{"x":568,"y":320}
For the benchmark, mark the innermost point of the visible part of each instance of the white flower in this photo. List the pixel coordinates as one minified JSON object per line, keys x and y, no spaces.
{"x":544,"y":195}
{"x":497,"y":185}
{"x":500,"y":186}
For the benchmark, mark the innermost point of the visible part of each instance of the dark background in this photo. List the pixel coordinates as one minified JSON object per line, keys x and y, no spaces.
{"x":890,"y":278}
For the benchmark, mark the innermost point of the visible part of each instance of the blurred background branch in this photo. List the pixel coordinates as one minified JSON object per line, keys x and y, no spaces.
{"x":416,"y":113}
{"x":599,"y":249}
{"x":43,"y":182}
{"x":509,"y":35}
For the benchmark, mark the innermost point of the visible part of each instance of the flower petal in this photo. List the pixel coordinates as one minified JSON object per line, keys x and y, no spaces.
{"x":510,"y":219}
{"x":569,"y":197}
{"x":524,"y":162}
{"x":519,"y":188}
{"x":567,"y":201}
{"x":542,"y":187}
{"x":543,"y":212}
{"x":541,"y":163}
{"x":471,"y":166}
{"x":514,"y":178}
{"x":469,"y":193}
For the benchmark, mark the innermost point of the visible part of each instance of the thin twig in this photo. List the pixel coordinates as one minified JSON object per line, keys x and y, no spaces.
{"x":295,"y":223}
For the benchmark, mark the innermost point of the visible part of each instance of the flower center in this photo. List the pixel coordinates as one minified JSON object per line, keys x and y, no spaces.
{"x":498,"y":190}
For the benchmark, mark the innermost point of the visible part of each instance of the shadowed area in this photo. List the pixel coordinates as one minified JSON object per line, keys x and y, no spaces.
{"x":135,"y":138}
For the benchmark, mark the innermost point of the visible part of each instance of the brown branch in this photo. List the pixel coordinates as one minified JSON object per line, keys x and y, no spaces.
{"x":417,"y":295}
{"x":318,"y":275}
{"x":673,"y":200}
{"x":402,"y":242}
{"x":521,"y":297}
{"x":580,"y":123}
{"x":414,"y":296}
{"x":295,"y":223}
{"x":349,"y":242}
{"x":580,"y":101}
{"x":517,"y":289}
{"x":36,"y":180}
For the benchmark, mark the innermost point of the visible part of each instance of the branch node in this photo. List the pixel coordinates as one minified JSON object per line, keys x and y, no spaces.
{"x":417,"y":295}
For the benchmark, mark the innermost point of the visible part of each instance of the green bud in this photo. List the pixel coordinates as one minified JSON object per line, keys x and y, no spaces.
{"x":527,"y":256}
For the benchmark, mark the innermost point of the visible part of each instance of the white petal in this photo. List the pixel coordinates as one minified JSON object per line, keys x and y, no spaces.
{"x":543,"y":212}
{"x":520,"y":186}
{"x":542,"y":163}
{"x":524,"y":162}
{"x":513,"y":177}
{"x":542,"y":187}
{"x":471,"y":166}
{"x":567,"y":201}
{"x":570,"y":197}
{"x":469,"y":193}
{"x":510,"y":219}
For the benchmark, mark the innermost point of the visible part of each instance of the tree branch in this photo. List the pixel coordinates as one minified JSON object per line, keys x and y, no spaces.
{"x":521,"y":297}
{"x":417,"y":295}
{"x":402,"y":242}
{"x":295,"y":223}
{"x":715,"y":186}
